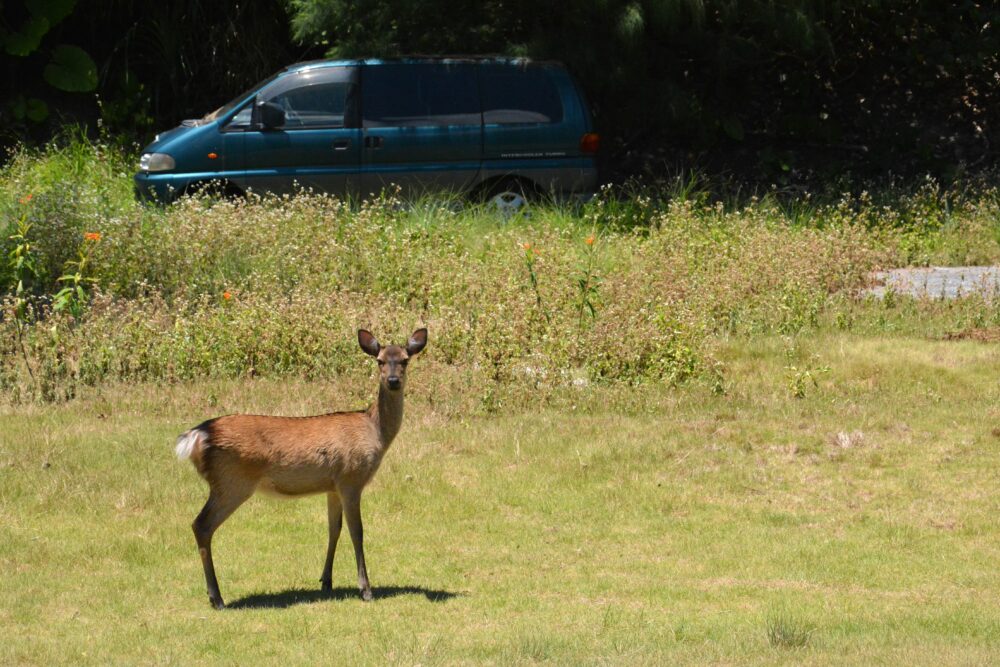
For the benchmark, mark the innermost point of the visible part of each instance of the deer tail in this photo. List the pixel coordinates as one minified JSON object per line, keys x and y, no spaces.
{"x":192,"y":445}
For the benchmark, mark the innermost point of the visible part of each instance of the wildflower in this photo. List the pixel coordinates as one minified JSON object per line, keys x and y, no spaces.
{"x":526,"y":246}
{"x":92,"y":236}
{"x":25,"y":199}
{"x":589,"y":240}
{"x":227,"y":295}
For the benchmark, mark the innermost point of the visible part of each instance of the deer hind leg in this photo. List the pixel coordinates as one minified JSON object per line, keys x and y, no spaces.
{"x":222,"y":502}
{"x":335,"y":516}
{"x":352,"y":512}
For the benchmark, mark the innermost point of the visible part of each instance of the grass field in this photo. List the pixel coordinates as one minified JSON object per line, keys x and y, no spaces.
{"x":838,"y":504}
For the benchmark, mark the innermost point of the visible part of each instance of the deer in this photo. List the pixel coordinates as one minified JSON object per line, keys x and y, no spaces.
{"x":336,"y":453}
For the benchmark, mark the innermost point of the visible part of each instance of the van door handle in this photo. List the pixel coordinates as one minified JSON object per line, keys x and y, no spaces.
{"x":374,"y":142}
{"x":341,"y":144}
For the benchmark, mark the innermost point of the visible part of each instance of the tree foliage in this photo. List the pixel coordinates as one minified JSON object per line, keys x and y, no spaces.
{"x":69,"y":67}
{"x":150,"y":63}
{"x":773,"y":89}
{"x":892,"y":85}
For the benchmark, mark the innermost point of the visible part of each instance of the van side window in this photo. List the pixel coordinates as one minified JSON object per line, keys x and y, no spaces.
{"x":323,"y":97}
{"x":241,"y":120}
{"x":514,"y":95}
{"x":420,"y":95}
{"x":318,"y":105}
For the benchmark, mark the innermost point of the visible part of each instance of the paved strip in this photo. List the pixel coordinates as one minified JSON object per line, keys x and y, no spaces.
{"x":938,"y":282}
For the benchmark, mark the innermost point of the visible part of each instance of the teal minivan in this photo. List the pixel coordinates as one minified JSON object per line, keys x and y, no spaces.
{"x":498,"y":129}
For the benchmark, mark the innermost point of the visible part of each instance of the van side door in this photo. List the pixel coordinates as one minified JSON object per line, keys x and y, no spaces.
{"x":421,"y":126}
{"x":533,"y":121}
{"x":317,"y":142}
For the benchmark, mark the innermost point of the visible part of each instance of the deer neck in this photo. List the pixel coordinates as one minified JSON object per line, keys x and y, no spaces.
{"x":387,"y":413}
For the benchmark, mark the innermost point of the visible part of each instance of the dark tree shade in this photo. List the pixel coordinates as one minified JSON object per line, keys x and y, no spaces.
{"x":157,"y":62}
{"x":884,"y":84}
{"x":772,"y":89}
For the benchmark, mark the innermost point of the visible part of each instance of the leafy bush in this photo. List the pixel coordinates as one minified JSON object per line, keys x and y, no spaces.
{"x":628,"y":291}
{"x":64,"y":191}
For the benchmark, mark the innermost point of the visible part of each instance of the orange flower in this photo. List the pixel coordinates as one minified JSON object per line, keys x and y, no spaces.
{"x":227,"y":296}
{"x":25,"y":199}
{"x":92,"y":236}
{"x":589,"y":240}
{"x":526,"y":246}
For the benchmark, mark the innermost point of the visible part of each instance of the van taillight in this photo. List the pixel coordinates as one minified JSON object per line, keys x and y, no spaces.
{"x":590,"y":143}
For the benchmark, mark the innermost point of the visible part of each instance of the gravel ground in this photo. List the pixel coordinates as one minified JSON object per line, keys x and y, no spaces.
{"x":939,"y":282}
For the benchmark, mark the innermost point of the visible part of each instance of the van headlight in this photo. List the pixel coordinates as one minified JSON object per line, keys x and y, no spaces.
{"x":156,"y":162}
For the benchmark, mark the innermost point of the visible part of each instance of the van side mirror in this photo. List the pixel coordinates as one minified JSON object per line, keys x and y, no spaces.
{"x":271,"y":116}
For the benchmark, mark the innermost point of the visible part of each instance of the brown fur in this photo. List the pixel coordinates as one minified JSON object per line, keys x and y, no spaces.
{"x":336,"y":454}
{"x":294,"y":456}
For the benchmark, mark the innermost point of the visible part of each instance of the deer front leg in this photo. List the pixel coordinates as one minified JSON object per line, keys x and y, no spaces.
{"x":335,"y":516}
{"x":352,"y":512}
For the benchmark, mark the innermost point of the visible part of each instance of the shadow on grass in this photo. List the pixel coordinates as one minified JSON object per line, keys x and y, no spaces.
{"x":294,"y":596}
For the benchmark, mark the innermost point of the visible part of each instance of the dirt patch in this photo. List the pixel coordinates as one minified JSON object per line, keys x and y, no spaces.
{"x":986,"y":335}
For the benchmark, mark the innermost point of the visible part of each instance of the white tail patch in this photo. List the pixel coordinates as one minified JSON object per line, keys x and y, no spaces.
{"x":187,"y":442}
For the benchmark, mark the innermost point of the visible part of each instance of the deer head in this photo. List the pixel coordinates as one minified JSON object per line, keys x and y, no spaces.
{"x":392,"y":359}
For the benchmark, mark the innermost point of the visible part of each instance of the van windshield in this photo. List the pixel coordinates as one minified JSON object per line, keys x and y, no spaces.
{"x":229,"y":106}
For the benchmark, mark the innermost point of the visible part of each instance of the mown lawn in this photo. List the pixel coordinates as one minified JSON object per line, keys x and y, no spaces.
{"x":857,"y":524}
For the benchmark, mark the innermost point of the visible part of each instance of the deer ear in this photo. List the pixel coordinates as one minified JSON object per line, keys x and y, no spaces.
{"x":368,"y":343}
{"x":417,"y":342}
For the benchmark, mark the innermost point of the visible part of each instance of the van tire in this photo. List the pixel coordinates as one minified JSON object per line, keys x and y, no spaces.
{"x":509,"y":196}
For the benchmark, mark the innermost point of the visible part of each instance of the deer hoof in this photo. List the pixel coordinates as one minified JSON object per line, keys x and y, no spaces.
{"x":366,"y":595}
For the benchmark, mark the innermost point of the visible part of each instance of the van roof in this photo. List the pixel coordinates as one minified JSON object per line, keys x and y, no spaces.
{"x":496,"y":59}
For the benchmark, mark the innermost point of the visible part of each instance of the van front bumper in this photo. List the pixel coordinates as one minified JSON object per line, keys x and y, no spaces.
{"x":159,"y":188}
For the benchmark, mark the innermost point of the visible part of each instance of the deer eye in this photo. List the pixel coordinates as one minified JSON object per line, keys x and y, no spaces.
{"x":381,"y":362}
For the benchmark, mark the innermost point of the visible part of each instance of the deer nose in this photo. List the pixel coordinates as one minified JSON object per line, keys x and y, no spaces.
{"x":393,"y":382}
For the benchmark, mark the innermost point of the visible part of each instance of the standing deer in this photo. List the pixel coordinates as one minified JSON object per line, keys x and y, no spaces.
{"x":336,"y":454}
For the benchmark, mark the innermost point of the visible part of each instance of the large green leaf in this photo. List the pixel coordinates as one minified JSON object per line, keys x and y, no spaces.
{"x":732,"y":126}
{"x":18,"y":107}
{"x":32,"y":109}
{"x":26,"y":40}
{"x":71,"y":69}
{"x":53,"y":11}
{"x":36,"y":110}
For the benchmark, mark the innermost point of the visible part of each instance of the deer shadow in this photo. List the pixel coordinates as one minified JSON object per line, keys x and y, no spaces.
{"x":293,"y":596}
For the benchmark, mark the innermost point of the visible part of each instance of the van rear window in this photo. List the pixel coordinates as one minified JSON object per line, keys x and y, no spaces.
{"x":419,"y":95}
{"x":516,"y":95}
